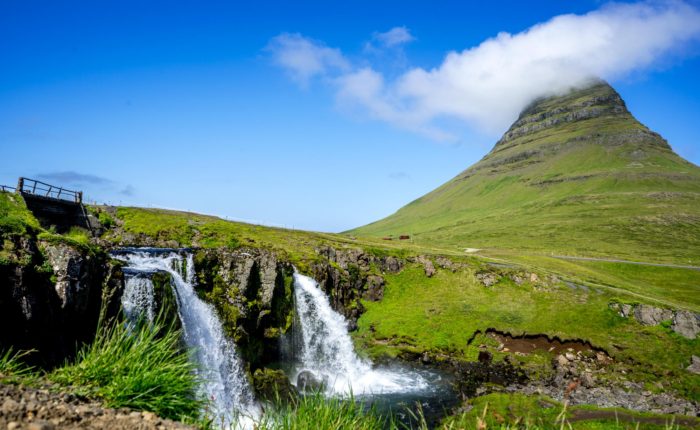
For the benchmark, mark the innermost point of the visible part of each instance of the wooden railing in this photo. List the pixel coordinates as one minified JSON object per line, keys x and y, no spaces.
{"x":38,"y":188}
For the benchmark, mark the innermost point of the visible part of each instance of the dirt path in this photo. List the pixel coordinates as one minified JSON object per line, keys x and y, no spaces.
{"x":614,"y":260}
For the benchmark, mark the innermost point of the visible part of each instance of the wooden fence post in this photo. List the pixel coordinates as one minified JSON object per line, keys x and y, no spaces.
{"x":20,"y":184}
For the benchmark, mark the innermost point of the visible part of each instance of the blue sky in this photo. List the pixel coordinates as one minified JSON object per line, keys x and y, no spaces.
{"x":212,"y":107}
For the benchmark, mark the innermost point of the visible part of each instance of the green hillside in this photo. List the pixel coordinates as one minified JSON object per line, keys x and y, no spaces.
{"x":575,"y":174}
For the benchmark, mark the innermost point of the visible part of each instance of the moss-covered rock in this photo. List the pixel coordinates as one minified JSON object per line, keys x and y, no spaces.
{"x":272,"y":385}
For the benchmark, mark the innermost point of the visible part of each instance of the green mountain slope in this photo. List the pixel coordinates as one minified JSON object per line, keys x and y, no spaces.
{"x":575,"y":174}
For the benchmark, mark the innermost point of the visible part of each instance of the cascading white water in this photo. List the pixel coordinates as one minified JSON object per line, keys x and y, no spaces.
{"x":224,"y":382}
{"x":327,"y":350}
{"x":137,"y":300}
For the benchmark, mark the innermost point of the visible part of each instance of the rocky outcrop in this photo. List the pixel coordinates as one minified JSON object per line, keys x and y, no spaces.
{"x":251,"y":289}
{"x":349,"y":275}
{"x":685,"y":323}
{"x":52,"y":295}
{"x":694,"y":365}
{"x":581,"y":378}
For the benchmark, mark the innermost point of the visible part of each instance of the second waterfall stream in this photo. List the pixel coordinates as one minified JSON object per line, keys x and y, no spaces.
{"x":324,"y":348}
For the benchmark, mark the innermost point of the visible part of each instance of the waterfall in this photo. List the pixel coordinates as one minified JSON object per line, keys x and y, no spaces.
{"x":138,"y":300}
{"x":326,"y":349}
{"x":224,"y":381}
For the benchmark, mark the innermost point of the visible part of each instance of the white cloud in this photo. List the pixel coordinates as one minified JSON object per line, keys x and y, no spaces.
{"x":488,"y":85}
{"x":394,"y":37}
{"x":305,"y":58}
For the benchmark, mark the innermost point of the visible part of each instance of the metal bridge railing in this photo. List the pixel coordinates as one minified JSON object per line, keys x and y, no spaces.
{"x":38,"y":188}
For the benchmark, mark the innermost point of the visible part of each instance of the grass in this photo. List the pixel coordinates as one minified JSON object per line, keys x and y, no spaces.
{"x":13,"y":369}
{"x":661,"y":286}
{"x":142,"y":368}
{"x":517,"y":411}
{"x":316,"y":412}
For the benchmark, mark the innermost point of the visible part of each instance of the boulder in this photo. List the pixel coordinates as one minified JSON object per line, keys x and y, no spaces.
{"x":686,"y":323}
{"x":307,"y":381}
{"x":650,"y":315}
{"x":69,"y":268}
{"x":273,"y":384}
{"x":428,"y":266}
{"x":694,"y":365}
{"x":374,"y":288}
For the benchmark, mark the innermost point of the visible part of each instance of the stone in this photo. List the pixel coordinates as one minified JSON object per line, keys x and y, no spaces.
{"x":273,"y":384}
{"x":307,"y":381}
{"x":562,"y":360}
{"x":569,"y":356}
{"x":428,"y":266}
{"x":149,"y":416}
{"x":374,"y":288}
{"x":694,"y":365}
{"x":650,"y":315}
{"x":686,"y":323}
{"x":391,"y":264}
{"x":69,"y":269}
{"x":487,"y":278}
{"x":626,"y":310}
{"x":40,"y":425}
{"x":10,"y":406}
{"x":13,"y":425}
{"x":587,"y":380}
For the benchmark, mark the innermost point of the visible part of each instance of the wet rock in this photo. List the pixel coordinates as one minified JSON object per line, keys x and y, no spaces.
{"x":273,"y":384}
{"x":307,"y":381}
{"x":694,"y":365}
{"x":686,"y":323}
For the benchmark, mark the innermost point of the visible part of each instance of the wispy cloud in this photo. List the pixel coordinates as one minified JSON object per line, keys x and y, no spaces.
{"x":486,"y":86}
{"x":394,"y":37}
{"x":305,"y":58}
{"x":128,"y":190}
{"x":399,"y":176}
{"x":73,"y":178}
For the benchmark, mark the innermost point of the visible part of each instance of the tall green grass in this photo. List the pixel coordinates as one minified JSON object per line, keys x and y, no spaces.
{"x":316,"y":412}
{"x":139,"y":367}
{"x":13,"y":369}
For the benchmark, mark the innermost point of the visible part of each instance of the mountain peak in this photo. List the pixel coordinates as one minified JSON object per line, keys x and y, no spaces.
{"x":595,"y":100}
{"x":571,"y":173}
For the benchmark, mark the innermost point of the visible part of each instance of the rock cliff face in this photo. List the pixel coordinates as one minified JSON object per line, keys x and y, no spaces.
{"x":252,"y":292}
{"x":349,"y":275}
{"x":51,"y":297}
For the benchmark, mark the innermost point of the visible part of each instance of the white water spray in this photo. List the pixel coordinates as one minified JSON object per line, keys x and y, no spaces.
{"x":225,"y":384}
{"x":138,"y":300}
{"x":327,"y":350}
